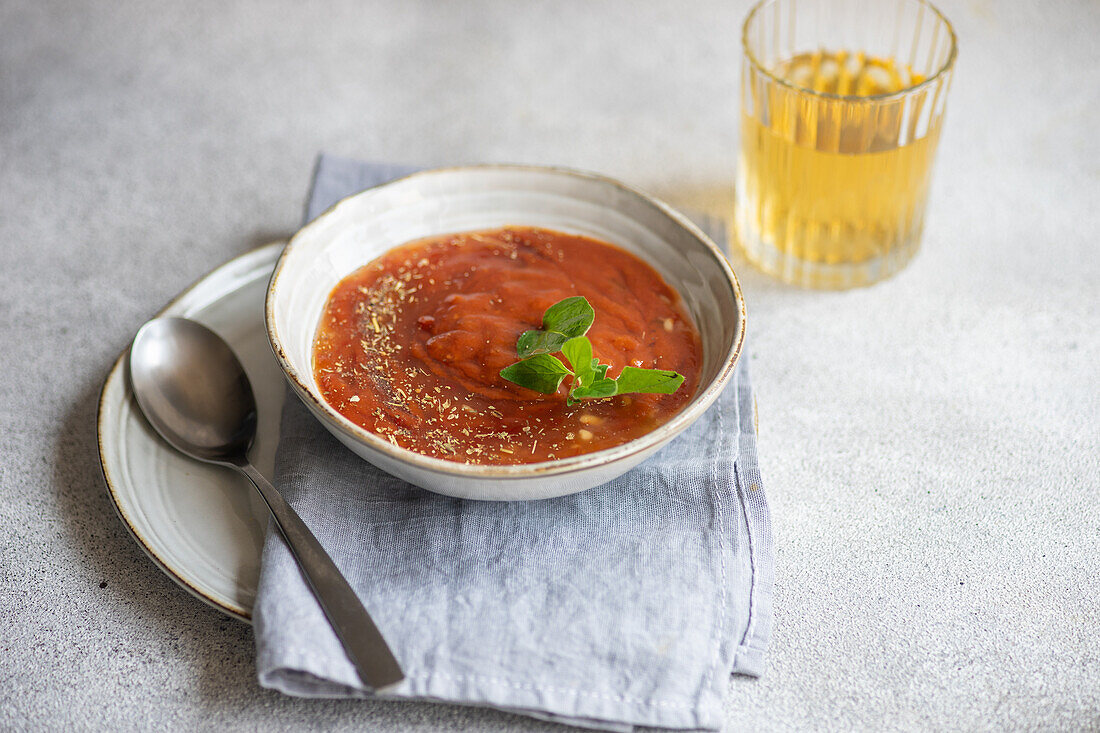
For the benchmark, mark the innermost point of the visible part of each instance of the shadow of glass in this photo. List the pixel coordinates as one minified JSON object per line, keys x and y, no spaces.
{"x":716,"y":199}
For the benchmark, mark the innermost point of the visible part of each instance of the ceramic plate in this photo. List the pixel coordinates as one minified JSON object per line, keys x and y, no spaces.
{"x":202,"y":525}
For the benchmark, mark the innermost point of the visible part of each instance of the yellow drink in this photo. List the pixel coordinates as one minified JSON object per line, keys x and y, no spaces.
{"x":836,"y":152}
{"x":825,"y":181}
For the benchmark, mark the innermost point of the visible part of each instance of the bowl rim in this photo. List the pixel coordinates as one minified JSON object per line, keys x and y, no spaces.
{"x":572,"y":464}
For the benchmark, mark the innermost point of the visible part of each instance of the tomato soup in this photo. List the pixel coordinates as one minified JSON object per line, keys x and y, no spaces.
{"x":411,"y":345}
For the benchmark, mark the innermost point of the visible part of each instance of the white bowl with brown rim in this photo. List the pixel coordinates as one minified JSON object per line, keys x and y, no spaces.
{"x":362,"y":227}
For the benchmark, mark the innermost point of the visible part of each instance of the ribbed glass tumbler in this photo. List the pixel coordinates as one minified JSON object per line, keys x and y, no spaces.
{"x":842,"y":102}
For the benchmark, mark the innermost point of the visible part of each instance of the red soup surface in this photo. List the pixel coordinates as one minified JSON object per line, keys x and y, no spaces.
{"x":411,"y":345}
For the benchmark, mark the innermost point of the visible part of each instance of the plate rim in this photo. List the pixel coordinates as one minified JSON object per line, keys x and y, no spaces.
{"x":116,"y":373}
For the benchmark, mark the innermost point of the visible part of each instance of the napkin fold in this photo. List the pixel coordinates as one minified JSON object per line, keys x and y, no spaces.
{"x":629,"y":604}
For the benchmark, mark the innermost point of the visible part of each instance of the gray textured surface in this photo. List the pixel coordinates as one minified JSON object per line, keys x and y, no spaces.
{"x":930,"y":445}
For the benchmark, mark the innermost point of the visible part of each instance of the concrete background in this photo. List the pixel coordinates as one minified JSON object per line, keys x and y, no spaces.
{"x":930,"y":445}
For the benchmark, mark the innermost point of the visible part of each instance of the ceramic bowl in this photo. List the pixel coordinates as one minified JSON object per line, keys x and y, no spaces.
{"x":364,"y":226}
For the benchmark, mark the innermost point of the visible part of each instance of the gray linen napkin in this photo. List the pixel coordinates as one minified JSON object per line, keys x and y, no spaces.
{"x":629,"y":604}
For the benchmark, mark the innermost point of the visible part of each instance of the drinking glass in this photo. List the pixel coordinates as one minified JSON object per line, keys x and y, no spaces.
{"x":842,"y":102}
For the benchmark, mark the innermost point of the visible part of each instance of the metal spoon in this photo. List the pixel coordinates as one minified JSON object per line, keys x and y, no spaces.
{"x":195,"y":393}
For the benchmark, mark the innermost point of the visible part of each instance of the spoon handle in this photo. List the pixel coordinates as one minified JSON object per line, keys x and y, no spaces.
{"x":362,"y":641}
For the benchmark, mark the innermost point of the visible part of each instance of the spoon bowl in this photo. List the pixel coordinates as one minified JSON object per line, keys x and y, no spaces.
{"x":193,"y":390}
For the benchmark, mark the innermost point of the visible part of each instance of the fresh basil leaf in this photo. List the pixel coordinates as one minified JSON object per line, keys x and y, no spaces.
{"x":539,"y":342}
{"x":598,"y":388}
{"x":578,"y":351}
{"x":563,"y":327}
{"x":542,"y":373}
{"x":648,"y":381}
{"x":572,"y":316}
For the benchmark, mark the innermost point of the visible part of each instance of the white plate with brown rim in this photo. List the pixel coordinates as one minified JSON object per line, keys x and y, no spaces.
{"x":202,"y":525}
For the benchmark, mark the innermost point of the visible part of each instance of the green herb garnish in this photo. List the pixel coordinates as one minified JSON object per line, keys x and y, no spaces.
{"x":564,"y":326}
{"x":562,"y":321}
